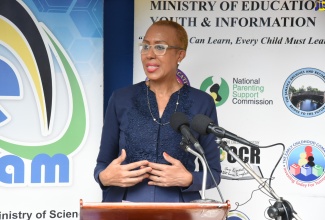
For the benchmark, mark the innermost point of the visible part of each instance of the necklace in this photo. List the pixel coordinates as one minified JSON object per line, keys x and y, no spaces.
{"x":153,"y":118}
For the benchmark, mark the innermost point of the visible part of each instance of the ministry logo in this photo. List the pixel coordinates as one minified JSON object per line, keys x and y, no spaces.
{"x":303,"y":92}
{"x":32,"y":61}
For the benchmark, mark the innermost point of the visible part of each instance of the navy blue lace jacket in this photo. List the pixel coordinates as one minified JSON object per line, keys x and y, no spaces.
{"x":129,"y":125}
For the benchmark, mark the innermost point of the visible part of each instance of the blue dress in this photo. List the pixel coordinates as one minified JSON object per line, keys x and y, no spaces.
{"x":129,"y":125}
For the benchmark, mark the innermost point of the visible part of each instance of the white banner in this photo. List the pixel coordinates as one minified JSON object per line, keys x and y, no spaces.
{"x":267,"y":58}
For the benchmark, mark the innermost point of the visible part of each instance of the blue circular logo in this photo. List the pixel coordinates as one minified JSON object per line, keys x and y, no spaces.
{"x":303,"y":92}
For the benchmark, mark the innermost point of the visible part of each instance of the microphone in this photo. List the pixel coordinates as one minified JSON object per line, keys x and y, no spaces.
{"x":204,"y":125}
{"x":180,"y":123}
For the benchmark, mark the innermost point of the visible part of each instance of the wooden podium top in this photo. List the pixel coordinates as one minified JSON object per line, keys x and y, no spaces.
{"x":154,"y":211}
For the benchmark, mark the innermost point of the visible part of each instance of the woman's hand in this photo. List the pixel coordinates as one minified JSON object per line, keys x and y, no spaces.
{"x":169,"y":175}
{"x":126,"y":175}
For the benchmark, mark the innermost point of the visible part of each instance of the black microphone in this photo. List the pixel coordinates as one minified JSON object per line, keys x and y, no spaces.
{"x":180,"y":123}
{"x":204,"y":125}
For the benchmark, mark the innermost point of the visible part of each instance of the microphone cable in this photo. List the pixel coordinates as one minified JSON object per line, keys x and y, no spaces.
{"x":276,"y":165}
{"x":214,"y":180}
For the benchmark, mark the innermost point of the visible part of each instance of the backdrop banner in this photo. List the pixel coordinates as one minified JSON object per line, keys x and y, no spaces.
{"x":51,"y":79}
{"x":263,"y":63}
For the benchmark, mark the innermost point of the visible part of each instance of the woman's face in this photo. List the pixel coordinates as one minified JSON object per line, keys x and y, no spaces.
{"x":163,"y":67}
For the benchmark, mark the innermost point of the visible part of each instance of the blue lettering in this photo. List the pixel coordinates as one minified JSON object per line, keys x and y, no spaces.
{"x":17,"y":170}
{"x":49,"y":163}
{"x":13,"y":169}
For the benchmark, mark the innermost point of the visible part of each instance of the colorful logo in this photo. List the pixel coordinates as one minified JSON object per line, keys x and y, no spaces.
{"x":304,"y":163}
{"x":218,"y":89}
{"x":33,"y":49}
{"x":319,"y":5}
{"x":237,"y":215}
{"x":303,"y":92}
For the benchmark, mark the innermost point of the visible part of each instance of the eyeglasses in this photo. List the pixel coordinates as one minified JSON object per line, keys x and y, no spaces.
{"x":158,"y":49}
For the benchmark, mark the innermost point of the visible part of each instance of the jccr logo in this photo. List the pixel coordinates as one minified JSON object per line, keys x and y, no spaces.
{"x":250,"y":155}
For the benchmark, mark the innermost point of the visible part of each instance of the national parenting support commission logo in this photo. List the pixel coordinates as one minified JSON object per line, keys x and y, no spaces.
{"x":31,"y":44}
{"x":217,"y":88}
{"x":304,"y":163}
{"x":304,"y":92}
{"x":245,"y":91}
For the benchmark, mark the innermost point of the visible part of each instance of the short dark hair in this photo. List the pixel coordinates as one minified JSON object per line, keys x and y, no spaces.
{"x":180,"y":30}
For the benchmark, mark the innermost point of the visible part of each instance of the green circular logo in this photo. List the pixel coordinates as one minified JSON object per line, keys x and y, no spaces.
{"x":218,"y":90}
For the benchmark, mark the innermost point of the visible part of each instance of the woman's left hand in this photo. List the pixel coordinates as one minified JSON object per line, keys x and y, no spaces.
{"x":169,"y":175}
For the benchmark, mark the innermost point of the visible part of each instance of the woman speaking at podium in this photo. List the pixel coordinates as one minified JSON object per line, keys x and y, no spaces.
{"x":139,"y":158}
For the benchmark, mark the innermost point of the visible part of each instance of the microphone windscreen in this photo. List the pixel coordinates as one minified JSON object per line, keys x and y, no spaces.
{"x":177,"y":120}
{"x":200,"y":123}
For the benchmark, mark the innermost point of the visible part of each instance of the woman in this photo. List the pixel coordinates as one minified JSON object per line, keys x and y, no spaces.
{"x":140,"y":159}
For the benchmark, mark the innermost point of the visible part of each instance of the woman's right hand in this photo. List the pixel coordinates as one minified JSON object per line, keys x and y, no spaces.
{"x":126,"y":175}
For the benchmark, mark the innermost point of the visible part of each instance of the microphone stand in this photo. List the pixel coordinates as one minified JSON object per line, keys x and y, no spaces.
{"x":185,"y":146}
{"x":282,"y":209}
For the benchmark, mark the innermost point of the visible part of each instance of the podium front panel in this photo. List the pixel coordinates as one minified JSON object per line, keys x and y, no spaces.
{"x":154,"y":211}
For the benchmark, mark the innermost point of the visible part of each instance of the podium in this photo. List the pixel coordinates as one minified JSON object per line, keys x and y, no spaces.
{"x":153,"y":211}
